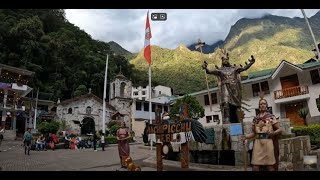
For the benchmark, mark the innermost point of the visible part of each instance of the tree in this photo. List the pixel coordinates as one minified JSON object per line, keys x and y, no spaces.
{"x":303,"y":112}
{"x":195,"y":110}
{"x":81,"y":90}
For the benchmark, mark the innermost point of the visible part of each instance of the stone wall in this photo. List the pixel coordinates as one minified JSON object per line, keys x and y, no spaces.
{"x":79,"y":112}
{"x":236,"y":143}
{"x":293,"y":149}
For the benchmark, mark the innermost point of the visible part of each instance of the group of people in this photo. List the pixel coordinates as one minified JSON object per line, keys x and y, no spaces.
{"x":78,"y":142}
{"x":41,"y":142}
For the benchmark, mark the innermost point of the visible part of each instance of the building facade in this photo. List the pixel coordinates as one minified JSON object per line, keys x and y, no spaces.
{"x":287,"y":88}
{"x":13,"y":87}
{"x":141,"y":112}
{"x":142,"y":92}
{"x":83,"y":114}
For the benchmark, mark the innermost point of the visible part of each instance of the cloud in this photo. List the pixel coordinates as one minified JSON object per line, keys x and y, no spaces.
{"x":127,"y":27}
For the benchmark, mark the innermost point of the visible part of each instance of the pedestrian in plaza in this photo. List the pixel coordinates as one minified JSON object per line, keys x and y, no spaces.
{"x":102,"y":140}
{"x":123,"y":144}
{"x":1,"y":135}
{"x":95,"y":139}
{"x":27,"y":141}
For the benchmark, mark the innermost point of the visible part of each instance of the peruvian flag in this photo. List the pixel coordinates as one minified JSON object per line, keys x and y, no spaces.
{"x":147,"y":47}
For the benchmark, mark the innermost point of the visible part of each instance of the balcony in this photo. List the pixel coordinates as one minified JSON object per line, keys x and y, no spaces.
{"x":293,"y":93}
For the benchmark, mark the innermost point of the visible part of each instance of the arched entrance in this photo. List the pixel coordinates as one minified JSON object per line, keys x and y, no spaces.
{"x":87,"y":125}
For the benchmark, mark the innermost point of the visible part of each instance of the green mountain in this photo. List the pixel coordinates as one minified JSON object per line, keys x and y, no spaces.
{"x":270,"y":39}
{"x":65,"y":59}
{"x":117,"y":49}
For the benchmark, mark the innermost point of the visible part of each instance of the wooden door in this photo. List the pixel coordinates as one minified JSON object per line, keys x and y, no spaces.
{"x":292,"y":113}
{"x":287,"y":83}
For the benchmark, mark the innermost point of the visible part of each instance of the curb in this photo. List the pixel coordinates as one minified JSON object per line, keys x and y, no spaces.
{"x":169,"y":165}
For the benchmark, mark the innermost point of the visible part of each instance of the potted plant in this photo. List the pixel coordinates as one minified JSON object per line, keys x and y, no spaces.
{"x":303,"y":112}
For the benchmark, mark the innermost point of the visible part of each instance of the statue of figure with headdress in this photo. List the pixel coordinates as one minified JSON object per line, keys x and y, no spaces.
{"x":229,"y":85}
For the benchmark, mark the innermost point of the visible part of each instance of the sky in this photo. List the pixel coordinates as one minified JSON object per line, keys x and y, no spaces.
{"x":183,"y":26}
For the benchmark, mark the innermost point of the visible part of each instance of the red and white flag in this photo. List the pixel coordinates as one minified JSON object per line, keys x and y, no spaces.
{"x":147,"y":47}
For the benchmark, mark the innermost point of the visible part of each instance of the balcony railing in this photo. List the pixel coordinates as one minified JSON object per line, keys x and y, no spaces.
{"x":291,"y":92}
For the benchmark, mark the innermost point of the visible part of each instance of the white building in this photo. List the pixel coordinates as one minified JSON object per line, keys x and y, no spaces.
{"x":287,"y":89}
{"x":140,"y":109}
{"x":142,"y":92}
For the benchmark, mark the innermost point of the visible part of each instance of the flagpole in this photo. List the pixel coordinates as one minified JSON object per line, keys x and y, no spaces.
{"x":150,"y":106}
{"x":104,"y":97}
{"x":314,"y":39}
{"x":35,"y":111}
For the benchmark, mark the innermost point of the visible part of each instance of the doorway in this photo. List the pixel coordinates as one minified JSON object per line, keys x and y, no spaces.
{"x":8,"y":123}
{"x":88,"y":126}
{"x":292,"y":113}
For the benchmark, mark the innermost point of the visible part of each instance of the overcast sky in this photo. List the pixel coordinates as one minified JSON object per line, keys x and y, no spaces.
{"x":127,"y":27}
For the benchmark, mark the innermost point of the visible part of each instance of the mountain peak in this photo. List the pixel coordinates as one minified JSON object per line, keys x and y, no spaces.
{"x":182,"y":47}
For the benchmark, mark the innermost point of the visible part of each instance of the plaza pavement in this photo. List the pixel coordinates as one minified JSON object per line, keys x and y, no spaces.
{"x":12,"y":158}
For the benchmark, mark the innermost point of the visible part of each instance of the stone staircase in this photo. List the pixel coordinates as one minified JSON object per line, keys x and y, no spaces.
{"x":9,"y":135}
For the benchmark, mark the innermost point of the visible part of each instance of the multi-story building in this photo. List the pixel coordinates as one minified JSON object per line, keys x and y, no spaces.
{"x":142,"y":92}
{"x":13,"y":86}
{"x":141,"y":111}
{"x":287,"y":88}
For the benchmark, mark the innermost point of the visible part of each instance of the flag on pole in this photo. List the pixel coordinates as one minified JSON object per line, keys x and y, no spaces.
{"x":147,"y":48}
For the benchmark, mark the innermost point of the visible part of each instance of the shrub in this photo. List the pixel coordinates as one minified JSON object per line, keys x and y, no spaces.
{"x":111,"y":140}
{"x":303,"y":112}
{"x":112,"y":123}
{"x":46,"y":128}
{"x":106,"y":134}
{"x":113,"y":129}
{"x":313,"y":130}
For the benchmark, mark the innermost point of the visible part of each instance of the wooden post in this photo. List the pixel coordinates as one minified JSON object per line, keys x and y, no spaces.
{"x":159,"y":145}
{"x":184,"y":147}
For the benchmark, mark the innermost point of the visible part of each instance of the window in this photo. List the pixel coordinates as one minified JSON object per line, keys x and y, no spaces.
{"x":143,"y":98}
{"x":138,"y":106}
{"x":70,"y":111}
{"x":143,"y":92}
{"x":318,"y":103}
{"x":153,"y":108}
{"x":265,"y":87}
{"x":215,"y":118}
{"x":260,"y":87}
{"x":135,"y":93}
{"x":160,"y":108}
{"x":146,"y":106}
{"x":208,"y":118}
{"x":123,"y":89}
{"x":315,"y":78}
{"x":88,"y":110}
{"x":165,"y":108}
{"x":255,"y":89}
{"x":206,"y":100}
{"x":214,"y":99}
{"x":159,"y":92}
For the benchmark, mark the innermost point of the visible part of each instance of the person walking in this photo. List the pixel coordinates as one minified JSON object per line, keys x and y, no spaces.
{"x":102,"y":140}
{"x":27,"y":141}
